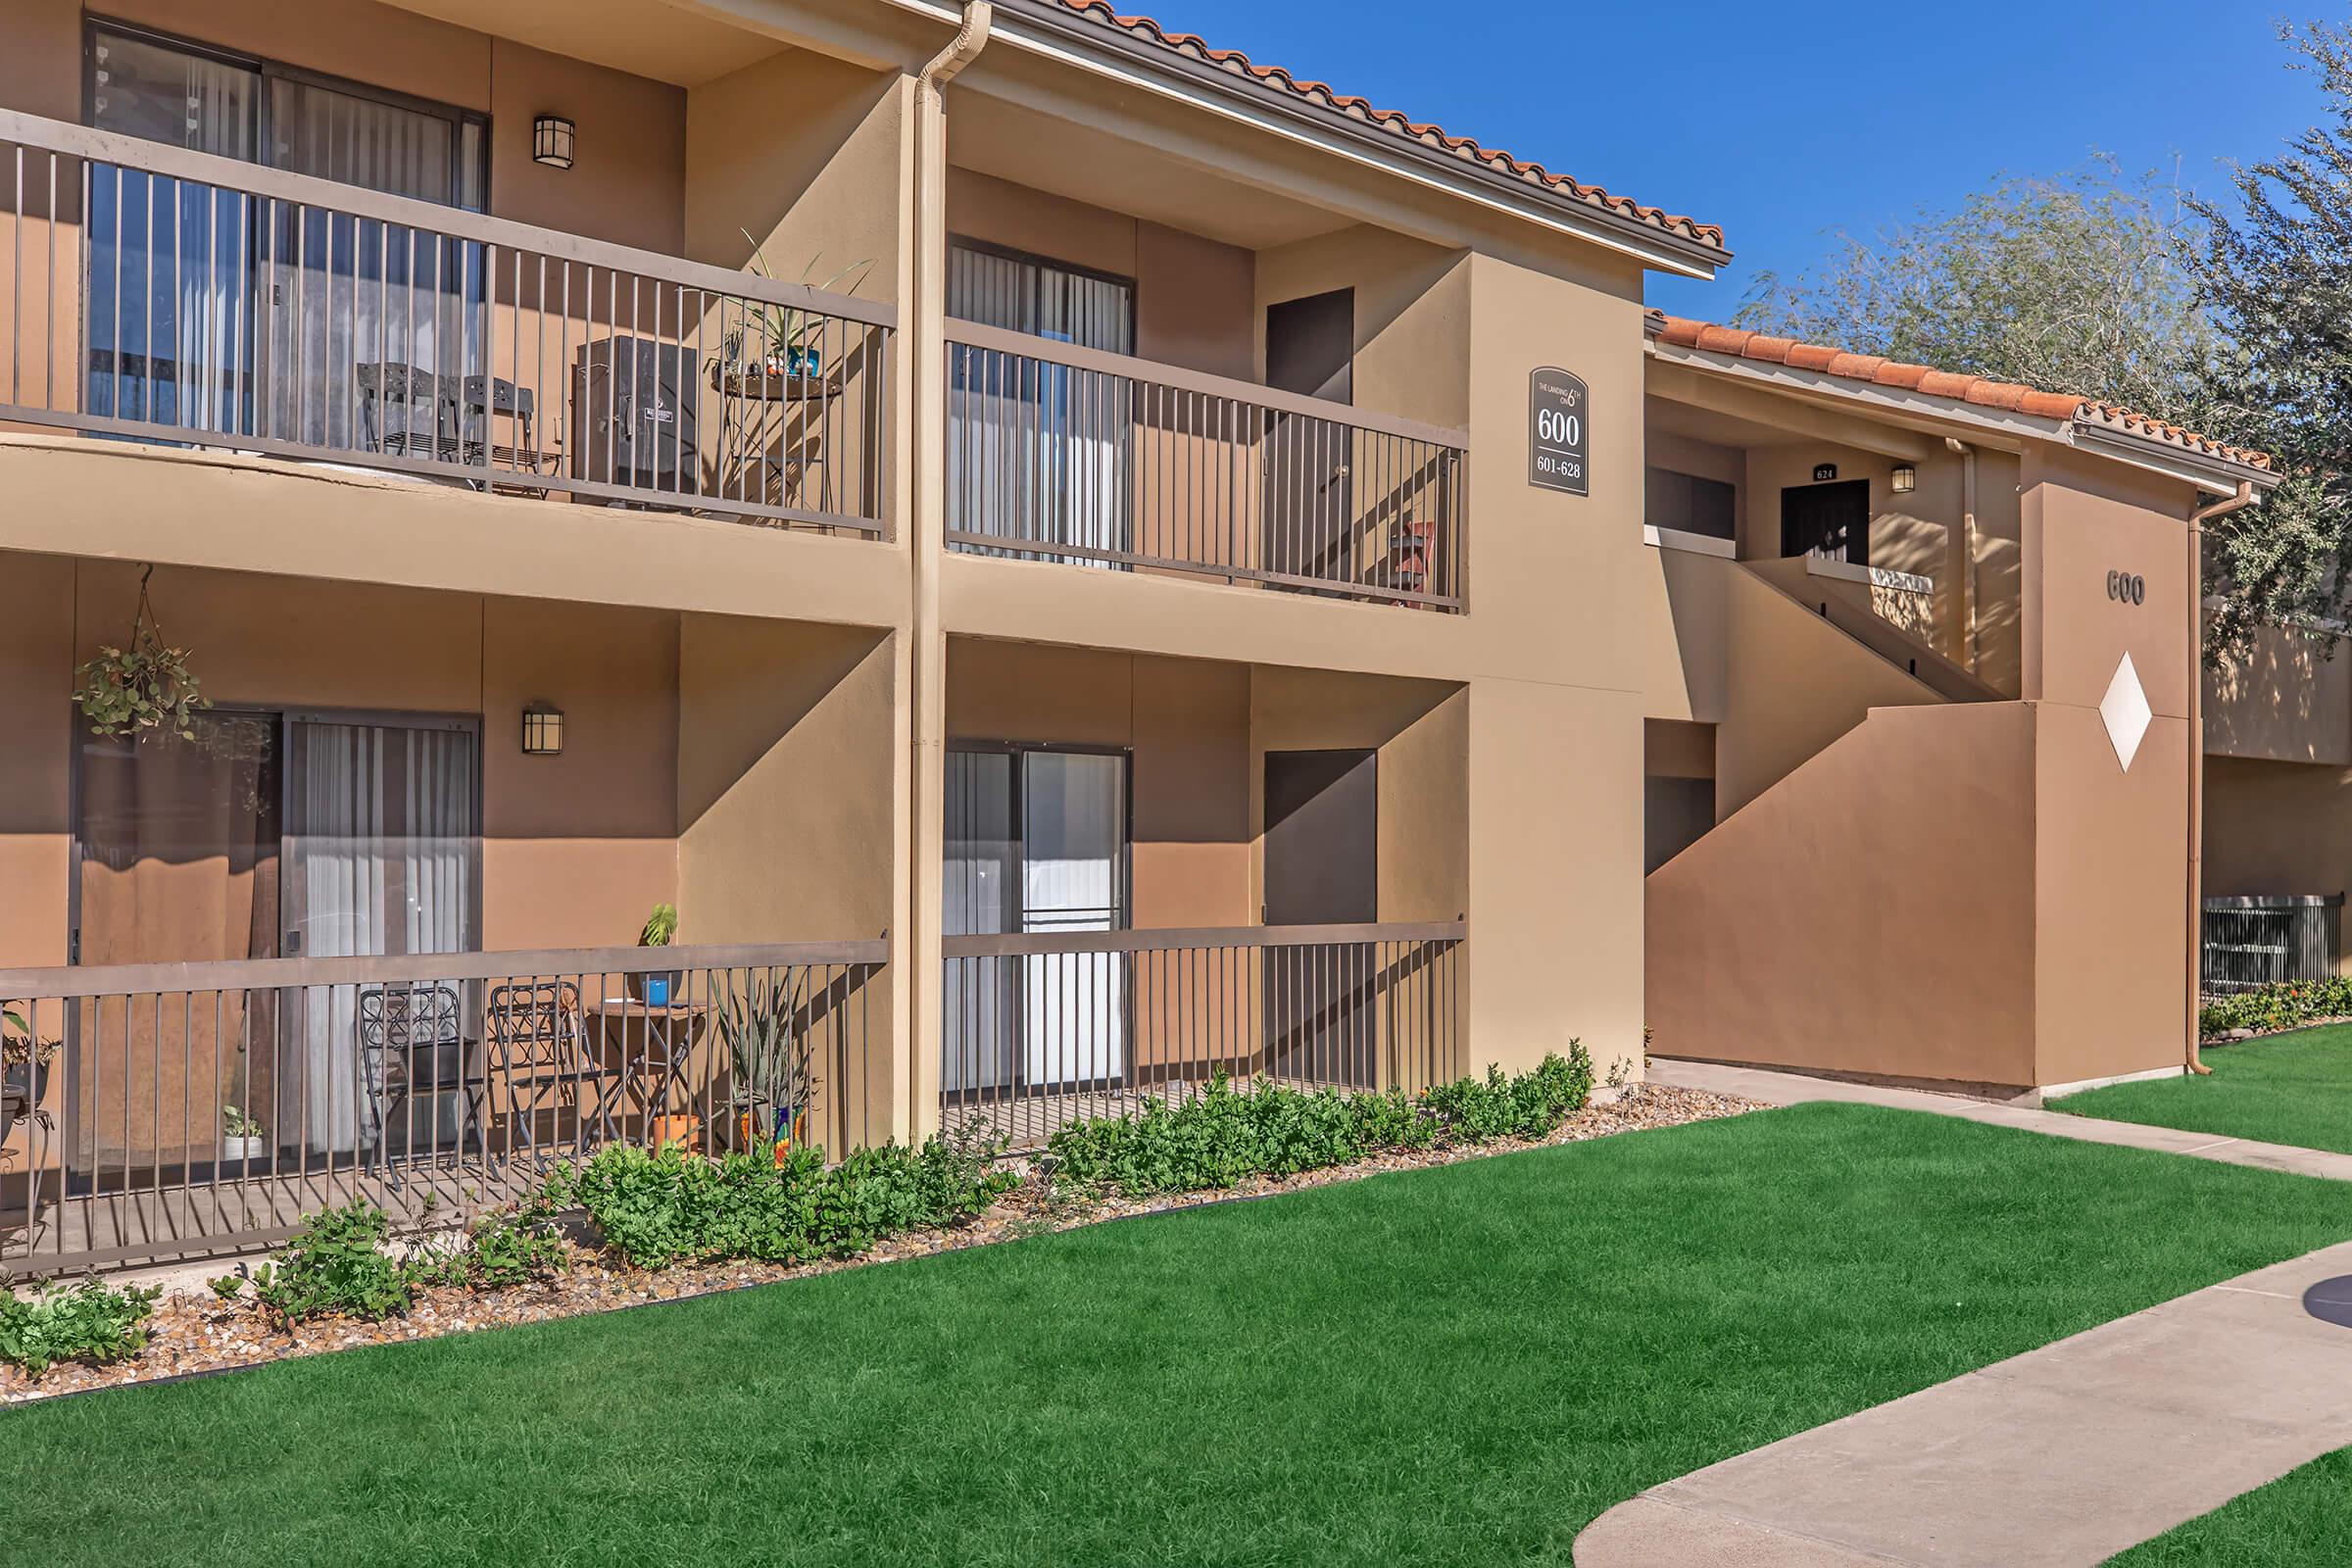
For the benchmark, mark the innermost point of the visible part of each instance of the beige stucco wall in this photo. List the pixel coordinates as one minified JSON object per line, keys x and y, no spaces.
{"x":626,"y":185}
{"x":575,"y":846}
{"x":2287,"y":698}
{"x":803,"y":152}
{"x":1197,"y":731}
{"x":2281,"y":828}
{"x":1825,"y":925}
{"x":1793,"y":683}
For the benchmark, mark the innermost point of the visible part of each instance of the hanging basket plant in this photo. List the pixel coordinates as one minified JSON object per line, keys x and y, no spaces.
{"x":141,"y":690}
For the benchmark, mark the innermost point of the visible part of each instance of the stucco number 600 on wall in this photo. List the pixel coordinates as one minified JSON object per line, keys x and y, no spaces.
{"x":2126,"y":587}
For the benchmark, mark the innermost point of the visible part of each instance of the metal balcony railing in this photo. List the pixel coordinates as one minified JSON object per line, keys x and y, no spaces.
{"x":175,"y":1111}
{"x":1069,"y":453}
{"x":1042,"y":1028}
{"x":162,"y":294}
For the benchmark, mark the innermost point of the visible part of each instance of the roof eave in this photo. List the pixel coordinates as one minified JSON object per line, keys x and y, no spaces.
{"x":1057,"y":27}
{"x":2151,"y":453}
{"x":2209,"y":470}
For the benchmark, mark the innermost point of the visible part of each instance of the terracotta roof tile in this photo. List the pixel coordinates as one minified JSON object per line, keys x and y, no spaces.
{"x":2006,"y":396}
{"x":1709,"y":235}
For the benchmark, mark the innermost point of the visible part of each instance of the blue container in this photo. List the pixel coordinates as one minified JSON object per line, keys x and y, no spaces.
{"x":656,"y":991}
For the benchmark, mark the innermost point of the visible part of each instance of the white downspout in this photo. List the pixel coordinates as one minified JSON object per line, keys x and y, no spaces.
{"x":1967,"y":617}
{"x":926,"y":661}
{"x":2245,"y":497}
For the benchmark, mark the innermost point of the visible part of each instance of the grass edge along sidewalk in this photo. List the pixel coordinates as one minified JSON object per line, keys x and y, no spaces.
{"x":2298,"y":1521}
{"x":2293,"y":1089}
{"x":1465,"y":1363}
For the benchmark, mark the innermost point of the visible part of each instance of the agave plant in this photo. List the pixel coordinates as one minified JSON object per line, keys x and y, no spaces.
{"x":778,"y":334}
{"x":771,"y":1053}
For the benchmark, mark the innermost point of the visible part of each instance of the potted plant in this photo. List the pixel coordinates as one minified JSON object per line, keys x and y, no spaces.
{"x":242,"y":1138}
{"x":771,"y":1056}
{"x":655,"y":987}
{"x":143,"y":689}
{"x":24,"y":1062}
{"x":777,"y":348}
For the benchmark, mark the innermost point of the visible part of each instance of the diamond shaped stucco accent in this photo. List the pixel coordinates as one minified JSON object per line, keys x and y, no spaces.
{"x":2126,"y":712}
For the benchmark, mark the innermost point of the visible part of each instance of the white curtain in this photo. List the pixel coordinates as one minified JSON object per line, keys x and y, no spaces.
{"x":1037,"y":452}
{"x":381,"y":849}
{"x":1073,"y":820}
{"x":175,"y":254}
{"x":362,"y":293}
{"x":977,"y":899}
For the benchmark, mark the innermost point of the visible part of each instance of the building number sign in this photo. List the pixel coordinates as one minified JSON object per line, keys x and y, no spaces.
{"x":2127,"y":588}
{"x":1558,"y":432}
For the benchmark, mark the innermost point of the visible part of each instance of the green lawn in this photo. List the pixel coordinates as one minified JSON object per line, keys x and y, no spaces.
{"x":1460,"y":1365}
{"x":2289,"y":1089}
{"x":2302,"y":1518}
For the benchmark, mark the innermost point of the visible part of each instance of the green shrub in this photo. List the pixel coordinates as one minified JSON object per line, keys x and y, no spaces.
{"x":86,"y":1322}
{"x":1222,"y":1136}
{"x":2277,"y":1006}
{"x":512,"y":1246}
{"x":336,"y":1264}
{"x":659,"y":1208}
{"x":1528,"y":1106}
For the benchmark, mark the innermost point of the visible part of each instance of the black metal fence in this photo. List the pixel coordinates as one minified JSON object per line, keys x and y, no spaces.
{"x":2257,"y":941}
{"x":179,"y":1112}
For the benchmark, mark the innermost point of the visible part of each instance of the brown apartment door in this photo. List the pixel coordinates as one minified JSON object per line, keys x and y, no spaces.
{"x":1321,"y":869}
{"x":1311,"y":350}
{"x":1826,"y":519}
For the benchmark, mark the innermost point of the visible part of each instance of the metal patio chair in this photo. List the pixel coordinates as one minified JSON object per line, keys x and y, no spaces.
{"x":537,"y":1045}
{"x":412,"y":1037}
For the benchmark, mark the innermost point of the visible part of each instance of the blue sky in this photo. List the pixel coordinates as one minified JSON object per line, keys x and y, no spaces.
{"x":1783,"y":120}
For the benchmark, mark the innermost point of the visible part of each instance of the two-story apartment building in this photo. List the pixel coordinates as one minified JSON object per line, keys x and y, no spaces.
{"x":1020,"y":526}
{"x":1074,"y":561}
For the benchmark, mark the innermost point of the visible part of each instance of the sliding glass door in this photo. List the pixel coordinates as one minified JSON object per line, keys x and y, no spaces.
{"x":1038,"y":452}
{"x":212,"y":311}
{"x":383,"y":837}
{"x":1036,"y":842}
{"x":267,"y":835}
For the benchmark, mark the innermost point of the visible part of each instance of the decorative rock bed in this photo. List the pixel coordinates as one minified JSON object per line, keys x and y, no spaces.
{"x":194,"y":1331}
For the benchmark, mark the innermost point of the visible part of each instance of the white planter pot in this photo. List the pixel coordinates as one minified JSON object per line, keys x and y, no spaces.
{"x":240,"y":1151}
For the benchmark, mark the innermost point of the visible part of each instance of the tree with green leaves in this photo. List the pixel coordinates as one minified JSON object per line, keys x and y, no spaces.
{"x":2274,"y":276}
{"x":2076,"y":283}
{"x":2234,"y":319}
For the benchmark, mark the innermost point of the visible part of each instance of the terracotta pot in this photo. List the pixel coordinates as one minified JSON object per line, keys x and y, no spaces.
{"x":684,"y":1129}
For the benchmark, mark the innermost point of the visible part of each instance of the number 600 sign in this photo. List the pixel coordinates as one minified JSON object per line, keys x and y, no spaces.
{"x":1557,"y":428}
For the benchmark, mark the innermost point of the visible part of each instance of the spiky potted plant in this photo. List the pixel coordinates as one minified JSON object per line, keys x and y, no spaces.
{"x":656,"y":987}
{"x":780,"y":350}
{"x":772,"y":1060}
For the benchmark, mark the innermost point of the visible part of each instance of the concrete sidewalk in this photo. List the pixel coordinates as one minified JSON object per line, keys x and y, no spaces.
{"x":1791,"y":1089}
{"x":2064,"y":1455}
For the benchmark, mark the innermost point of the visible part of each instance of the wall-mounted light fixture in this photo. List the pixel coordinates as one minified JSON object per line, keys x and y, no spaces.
{"x":542,"y":730}
{"x":1906,"y":478}
{"x":551,"y":141}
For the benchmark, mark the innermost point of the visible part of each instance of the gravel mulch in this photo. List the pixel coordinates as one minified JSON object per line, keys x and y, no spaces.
{"x":195,"y":1332}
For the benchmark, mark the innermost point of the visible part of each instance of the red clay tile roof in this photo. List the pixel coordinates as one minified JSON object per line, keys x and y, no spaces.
{"x":2006,"y":396}
{"x":1709,"y":235}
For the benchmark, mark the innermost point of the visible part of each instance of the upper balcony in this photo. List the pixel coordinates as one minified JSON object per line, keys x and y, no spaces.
{"x":1162,"y":364}
{"x":242,"y":254}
